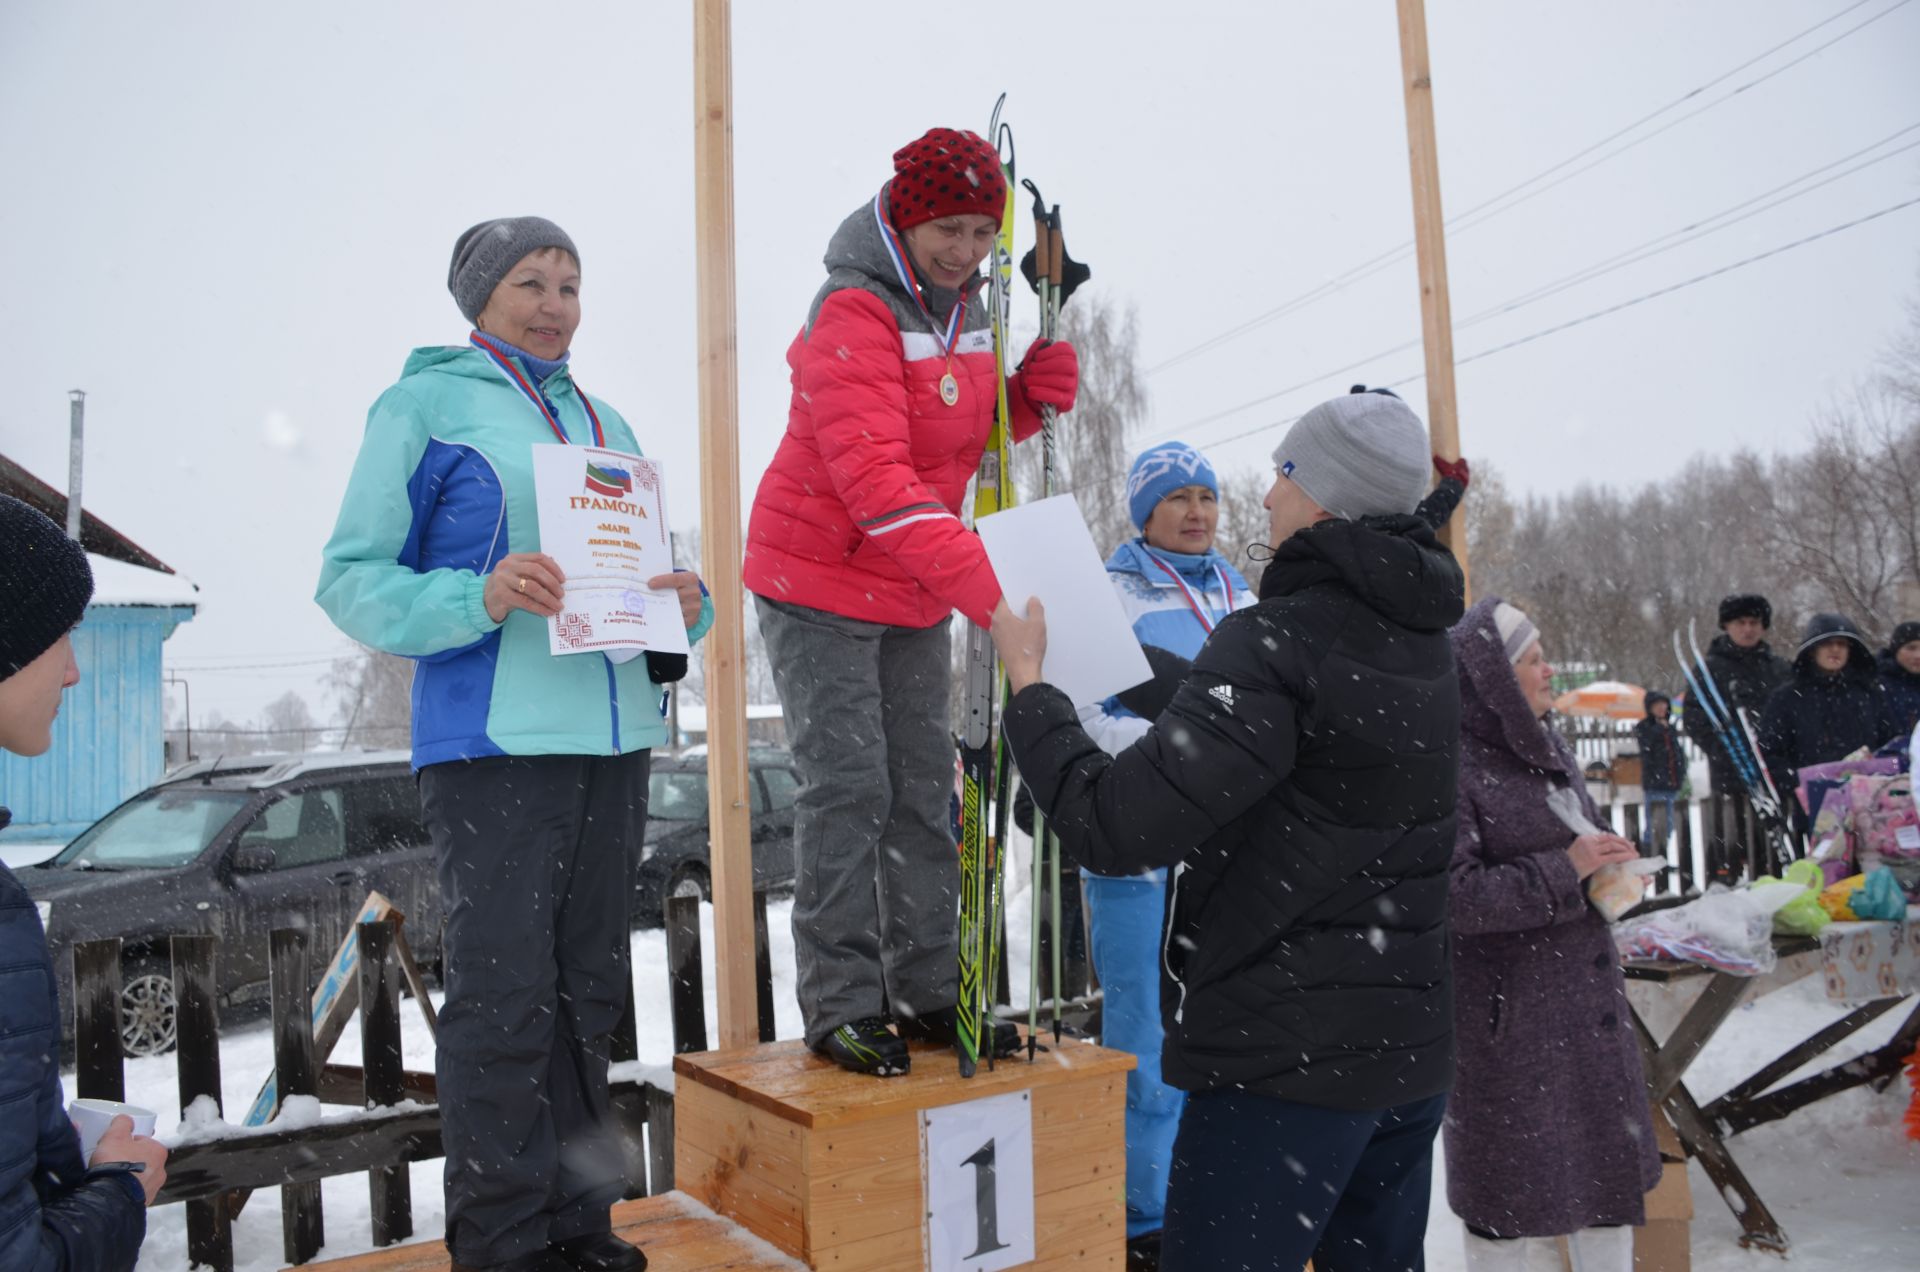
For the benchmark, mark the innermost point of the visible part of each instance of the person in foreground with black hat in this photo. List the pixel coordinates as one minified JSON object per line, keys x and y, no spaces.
{"x":1746,"y":671}
{"x":1302,"y":783}
{"x":61,"y":1214}
{"x":533,"y":767}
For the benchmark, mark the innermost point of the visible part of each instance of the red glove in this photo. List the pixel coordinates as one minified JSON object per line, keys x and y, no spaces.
{"x":1455,"y":468}
{"x":1050,"y":375}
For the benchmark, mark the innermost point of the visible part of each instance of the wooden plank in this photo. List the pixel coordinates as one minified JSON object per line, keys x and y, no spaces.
{"x":762,"y":968}
{"x":769,"y":1213}
{"x":755,"y":1140}
{"x":1669,"y":1060}
{"x":661,"y":1139}
{"x":99,"y":1069}
{"x":1430,"y":248}
{"x":333,"y":1003}
{"x":347,"y":1084}
{"x":1083,"y":1226}
{"x":674,"y":1236}
{"x":729,"y":811}
{"x":389,"y":1188}
{"x":864,"y":1182}
{"x":787,"y":1079}
{"x":300,"y":1155}
{"x":686,"y":995}
{"x":197,"y":1061}
{"x":302,"y":1222}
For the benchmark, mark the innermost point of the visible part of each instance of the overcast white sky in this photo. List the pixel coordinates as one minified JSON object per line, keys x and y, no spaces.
{"x":229,"y":222}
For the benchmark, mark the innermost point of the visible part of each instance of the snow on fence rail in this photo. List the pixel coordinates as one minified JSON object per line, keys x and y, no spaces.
{"x":393,"y":1117}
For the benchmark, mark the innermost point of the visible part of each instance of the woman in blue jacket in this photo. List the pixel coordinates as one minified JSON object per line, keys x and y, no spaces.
{"x":533,"y":768}
{"x":1174,"y":586}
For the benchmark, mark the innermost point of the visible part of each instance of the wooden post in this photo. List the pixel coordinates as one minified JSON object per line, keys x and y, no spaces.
{"x":389,"y":1188}
{"x":99,"y":1070}
{"x":686,"y":997}
{"x":1430,"y":242}
{"x":302,"y":1229}
{"x":725,"y":647}
{"x":197,"y":1056}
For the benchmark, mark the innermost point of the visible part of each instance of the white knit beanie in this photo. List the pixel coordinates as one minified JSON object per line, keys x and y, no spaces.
{"x":1516,"y":630}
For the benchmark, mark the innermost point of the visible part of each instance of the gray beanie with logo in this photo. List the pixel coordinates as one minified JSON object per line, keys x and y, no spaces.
{"x":1362,"y":455}
{"x":483,"y":255}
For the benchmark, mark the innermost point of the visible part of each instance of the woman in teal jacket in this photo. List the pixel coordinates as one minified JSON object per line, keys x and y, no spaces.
{"x":533,"y":767}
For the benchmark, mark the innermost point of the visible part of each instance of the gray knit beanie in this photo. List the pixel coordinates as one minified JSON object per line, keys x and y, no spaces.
{"x":483,"y":255}
{"x":1362,"y":455}
{"x":45,"y":579}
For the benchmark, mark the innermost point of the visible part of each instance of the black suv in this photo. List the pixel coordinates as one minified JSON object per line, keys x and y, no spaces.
{"x":673,"y":860}
{"x":235,"y":850}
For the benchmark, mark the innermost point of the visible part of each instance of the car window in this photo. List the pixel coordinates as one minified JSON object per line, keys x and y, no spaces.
{"x":156,"y":830}
{"x":783,"y":788}
{"x":677,"y":796}
{"x":303,"y":829}
{"x":756,"y":797}
{"x":383,"y":815}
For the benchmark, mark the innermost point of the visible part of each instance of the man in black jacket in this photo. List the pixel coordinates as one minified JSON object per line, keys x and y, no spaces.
{"x":1302,"y":783}
{"x":1746,"y":671}
{"x":57,"y":1212}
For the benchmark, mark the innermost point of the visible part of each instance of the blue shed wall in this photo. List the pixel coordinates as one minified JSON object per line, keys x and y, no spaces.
{"x":108,"y":741}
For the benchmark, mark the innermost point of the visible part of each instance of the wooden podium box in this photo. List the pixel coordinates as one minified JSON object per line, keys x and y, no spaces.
{"x":830,"y":1166}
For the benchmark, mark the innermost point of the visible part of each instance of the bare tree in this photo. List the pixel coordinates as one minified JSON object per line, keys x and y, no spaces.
{"x":1243,"y":518}
{"x":374,"y":693}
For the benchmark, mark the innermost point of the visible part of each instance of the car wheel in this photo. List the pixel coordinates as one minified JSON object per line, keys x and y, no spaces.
{"x":689,"y":880}
{"x":149,"y":1014}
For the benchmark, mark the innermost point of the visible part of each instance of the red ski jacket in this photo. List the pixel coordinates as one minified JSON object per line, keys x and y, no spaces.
{"x":858,"y":514}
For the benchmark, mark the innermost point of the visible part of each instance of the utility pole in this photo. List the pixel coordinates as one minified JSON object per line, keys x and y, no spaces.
{"x":1430,"y":243}
{"x":728,"y":814}
{"x":76,"y":454}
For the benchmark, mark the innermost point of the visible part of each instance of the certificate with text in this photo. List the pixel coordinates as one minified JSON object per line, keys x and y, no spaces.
{"x":603,"y":519}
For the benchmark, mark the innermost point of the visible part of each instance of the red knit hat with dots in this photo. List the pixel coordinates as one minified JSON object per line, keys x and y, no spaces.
{"x":945,"y":173}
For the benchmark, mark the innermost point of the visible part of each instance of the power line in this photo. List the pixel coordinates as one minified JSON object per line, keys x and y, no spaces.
{"x":1462,"y":220}
{"x":1602,"y":313}
{"x":1631,"y":256}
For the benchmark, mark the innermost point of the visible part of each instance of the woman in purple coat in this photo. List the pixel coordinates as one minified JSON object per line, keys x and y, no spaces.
{"x":1547,"y":1131}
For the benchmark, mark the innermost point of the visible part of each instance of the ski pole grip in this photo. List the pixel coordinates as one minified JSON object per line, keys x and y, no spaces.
{"x":1056,"y":250}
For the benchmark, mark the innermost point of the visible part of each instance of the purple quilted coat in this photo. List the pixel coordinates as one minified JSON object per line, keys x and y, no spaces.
{"x":1547,"y":1129}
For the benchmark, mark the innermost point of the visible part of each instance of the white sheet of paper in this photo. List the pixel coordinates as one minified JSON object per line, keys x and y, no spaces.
{"x":603,"y":519}
{"x":617,"y":620}
{"x":1044,"y":549}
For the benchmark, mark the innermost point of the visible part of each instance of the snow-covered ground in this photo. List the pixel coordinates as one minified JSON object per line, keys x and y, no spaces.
{"x":1840,"y":1177}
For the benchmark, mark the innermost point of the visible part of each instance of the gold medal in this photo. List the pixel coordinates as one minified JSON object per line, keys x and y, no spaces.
{"x":949,"y":389}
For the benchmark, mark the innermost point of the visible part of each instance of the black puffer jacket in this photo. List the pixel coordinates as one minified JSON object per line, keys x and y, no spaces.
{"x":1303,"y":781}
{"x":1663,"y":765}
{"x":1901,"y":686}
{"x":1747,"y":678}
{"x":52,"y":1216}
{"x":1820,"y":716}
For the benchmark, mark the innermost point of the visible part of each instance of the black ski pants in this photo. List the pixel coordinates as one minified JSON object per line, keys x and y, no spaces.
{"x":536,"y":860}
{"x":1260,"y":1182}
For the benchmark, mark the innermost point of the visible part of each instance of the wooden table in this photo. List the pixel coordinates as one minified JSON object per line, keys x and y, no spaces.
{"x":1705,"y":1129}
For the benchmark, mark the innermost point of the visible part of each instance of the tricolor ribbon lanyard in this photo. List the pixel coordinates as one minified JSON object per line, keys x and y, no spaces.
{"x":1194,"y":603}
{"x":505,"y":366}
{"x":949,"y":386}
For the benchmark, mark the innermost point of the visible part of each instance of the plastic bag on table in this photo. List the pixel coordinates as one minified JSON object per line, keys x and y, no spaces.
{"x":1880,"y":897}
{"x":1803,"y":915}
{"x":1730,"y":931}
{"x":1615,"y":888}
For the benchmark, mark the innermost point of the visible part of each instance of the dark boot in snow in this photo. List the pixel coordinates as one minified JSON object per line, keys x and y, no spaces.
{"x":599,"y":1252}
{"x":867,"y":1046}
{"x":942,"y":1026}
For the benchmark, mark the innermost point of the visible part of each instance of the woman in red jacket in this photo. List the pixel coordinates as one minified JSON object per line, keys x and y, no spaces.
{"x":857,"y":558}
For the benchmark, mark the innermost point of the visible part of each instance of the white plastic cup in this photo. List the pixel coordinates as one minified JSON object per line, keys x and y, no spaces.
{"x":92,"y":1118}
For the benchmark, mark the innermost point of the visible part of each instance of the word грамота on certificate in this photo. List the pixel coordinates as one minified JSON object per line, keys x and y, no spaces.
{"x":603,"y":519}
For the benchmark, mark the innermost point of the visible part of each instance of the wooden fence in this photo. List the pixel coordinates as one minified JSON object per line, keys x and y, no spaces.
{"x":401,"y":1122}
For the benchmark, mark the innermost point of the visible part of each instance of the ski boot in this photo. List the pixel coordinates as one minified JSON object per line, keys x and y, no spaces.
{"x":867,"y":1046}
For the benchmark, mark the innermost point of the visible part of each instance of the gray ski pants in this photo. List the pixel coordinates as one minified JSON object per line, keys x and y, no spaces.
{"x":536,"y":859}
{"x":876,"y":870}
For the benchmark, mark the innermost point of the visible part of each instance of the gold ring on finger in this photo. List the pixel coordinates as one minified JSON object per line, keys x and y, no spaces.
{"x":523,"y":583}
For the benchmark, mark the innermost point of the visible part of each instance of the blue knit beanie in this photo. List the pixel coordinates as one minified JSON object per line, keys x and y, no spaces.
{"x":1160,"y":471}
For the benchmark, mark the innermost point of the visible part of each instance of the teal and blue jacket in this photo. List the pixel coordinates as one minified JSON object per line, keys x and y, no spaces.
{"x":442,"y":489}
